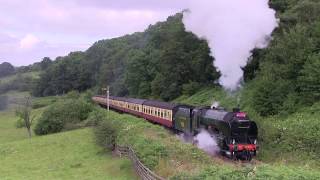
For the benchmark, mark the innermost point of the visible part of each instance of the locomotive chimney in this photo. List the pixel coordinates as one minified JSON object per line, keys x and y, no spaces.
{"x":235,"y":110}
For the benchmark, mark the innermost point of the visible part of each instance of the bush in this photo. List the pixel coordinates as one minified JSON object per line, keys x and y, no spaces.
{"x":191,"y":88}
{"x":106,"y":134}
{"x":20,"y":123}
{"x":63,"y":115}
{"x":95,"y":117}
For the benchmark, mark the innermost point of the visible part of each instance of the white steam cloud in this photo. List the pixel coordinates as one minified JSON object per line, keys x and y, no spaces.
{"x":206,"y":142}
{"x":232,"y":28}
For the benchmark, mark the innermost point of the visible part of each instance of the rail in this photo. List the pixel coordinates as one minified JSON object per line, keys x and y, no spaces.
{"x":144,"y":172}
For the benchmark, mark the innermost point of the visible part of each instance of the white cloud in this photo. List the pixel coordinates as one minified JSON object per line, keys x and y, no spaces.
{"x":29,"y":41}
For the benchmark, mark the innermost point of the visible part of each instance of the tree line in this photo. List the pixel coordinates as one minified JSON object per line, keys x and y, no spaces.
{"x":162,"y":62}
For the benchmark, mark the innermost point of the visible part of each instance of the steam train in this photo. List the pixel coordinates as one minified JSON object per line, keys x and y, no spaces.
{"x":236,"y":134}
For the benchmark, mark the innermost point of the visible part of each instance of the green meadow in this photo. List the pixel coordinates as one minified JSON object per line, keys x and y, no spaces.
{"x":66,"y":155}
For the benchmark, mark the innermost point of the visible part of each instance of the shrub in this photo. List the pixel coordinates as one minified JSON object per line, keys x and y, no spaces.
{"x":63,"y":115}
{"x":43,"y":102}
{"x":20,"y":123}
{"x":106,"y":134}
{"x":191,"y":88}
{"x":95,"y":117}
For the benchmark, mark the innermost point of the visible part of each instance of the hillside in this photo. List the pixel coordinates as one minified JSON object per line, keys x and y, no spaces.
{"x":170,"y":157}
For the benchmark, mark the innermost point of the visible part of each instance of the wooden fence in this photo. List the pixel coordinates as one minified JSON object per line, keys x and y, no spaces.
{"x":142,"y":170}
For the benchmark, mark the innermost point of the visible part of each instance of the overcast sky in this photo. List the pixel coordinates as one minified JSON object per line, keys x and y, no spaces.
{"x":33,"y":29}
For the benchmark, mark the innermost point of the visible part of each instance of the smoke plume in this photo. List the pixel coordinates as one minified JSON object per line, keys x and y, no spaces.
{"x":232,"y":28}
{"x":207,"y":143}
{"x":215,"y":104}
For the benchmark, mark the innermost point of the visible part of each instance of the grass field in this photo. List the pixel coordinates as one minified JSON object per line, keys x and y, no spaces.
{"x":69,"y":155}
{"x":8,"y":130}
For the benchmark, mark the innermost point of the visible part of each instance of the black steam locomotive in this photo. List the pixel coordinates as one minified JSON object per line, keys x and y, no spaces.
{"x":236,"y":134}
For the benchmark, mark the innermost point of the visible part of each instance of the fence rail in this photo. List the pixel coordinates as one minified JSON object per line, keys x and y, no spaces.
{"x":144,"y":172}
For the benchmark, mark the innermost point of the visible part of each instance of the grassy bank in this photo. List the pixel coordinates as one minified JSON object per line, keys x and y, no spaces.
{"x":206,"y":97}
{"x":284,"y":139}
{"x":69,"y":155}
{"x":165,"y":154}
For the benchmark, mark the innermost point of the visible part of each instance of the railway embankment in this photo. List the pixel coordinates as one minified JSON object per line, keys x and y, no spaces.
{"x":163,"y":153}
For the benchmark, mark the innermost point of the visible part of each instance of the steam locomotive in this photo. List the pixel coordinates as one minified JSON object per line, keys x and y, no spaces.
{"x":236,"y":134}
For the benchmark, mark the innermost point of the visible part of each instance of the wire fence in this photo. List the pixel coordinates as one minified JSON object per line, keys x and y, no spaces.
{"x":144,"y":172}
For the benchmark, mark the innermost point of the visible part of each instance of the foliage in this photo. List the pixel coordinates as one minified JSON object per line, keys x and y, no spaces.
{"x":287,"y":137}
{"x":157,"y":62}
{"x":169,"y":157}
{"x":24,"y":114}
{"x":309,"y":81}
{"x":45,"y":63}
{"x":43,"y":101}
{"x":294,"y":138}
{"x":191,"y":88}
{"x":170,"y":62}
{"x":284,"y":77}
{"x":20,"y":123}
{"x":106,"y":133}
{"x":18,"y":82}
{"x":6,"y":69}
{"x":151,"y":143}
{"x":64,"y":114}
{"x":208,"y":95}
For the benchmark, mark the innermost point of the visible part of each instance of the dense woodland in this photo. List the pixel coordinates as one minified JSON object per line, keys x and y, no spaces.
{"x":165,"y":61}
{"x":285,"y":76}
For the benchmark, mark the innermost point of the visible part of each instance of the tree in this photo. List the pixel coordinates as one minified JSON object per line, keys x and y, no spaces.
{"x":45,"y":63}
{"x":6,"y":69}
{"x":309,"y":81}
{"x":24,"y":113}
